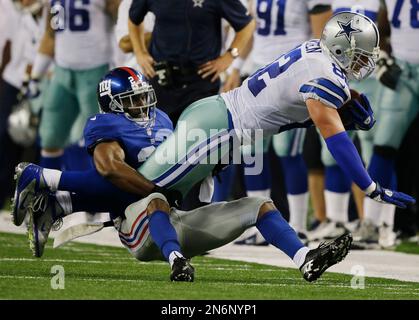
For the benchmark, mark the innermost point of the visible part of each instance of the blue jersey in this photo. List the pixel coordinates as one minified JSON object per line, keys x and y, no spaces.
{"x":137,"y":142}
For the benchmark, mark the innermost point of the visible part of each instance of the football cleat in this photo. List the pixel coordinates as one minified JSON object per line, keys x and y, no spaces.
{"x":182,"y":270}
{"x":45,"y":213}
{"x":324,"y":256}
{"x":387,"y":237}
{"x":29,"y":180}
{"x":367,"y":232}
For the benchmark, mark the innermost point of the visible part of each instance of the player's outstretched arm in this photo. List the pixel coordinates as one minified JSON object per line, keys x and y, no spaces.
{"x":343,"y":150}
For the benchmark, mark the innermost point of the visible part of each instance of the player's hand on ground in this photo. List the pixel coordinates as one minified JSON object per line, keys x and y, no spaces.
{"x":146,"y":62}
{"x":215,"y":67}
{"x":362,"y":114}
{"x":232,"y":82}
{"x":399,"y":199}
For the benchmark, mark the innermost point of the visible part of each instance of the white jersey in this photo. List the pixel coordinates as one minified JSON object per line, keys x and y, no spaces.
{"x":24,"y":33}
{"x":403,"y":17}
{"x":368,"y":8}
{"x":281,"y":25}
{"x":83,"y":37}
{"x":273,"y":99}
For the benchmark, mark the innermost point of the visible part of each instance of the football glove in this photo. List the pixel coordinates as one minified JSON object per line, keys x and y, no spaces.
{"x":388,"y":72}
{"x":361,"y":114}
{"x":399,"y":199}
{"x":174,"y":197}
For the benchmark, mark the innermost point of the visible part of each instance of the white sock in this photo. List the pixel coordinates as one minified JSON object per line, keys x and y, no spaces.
{"x":173,"y":255}
{"x":337,"y":205}
{"x":259,"y":193}
{"x":300,"y":256}
{"x":372,"y":210}
{"x":387,"y":215}
{"x":298,"y":207}
{"x":52,"y":178}
{"x":64,"y":199}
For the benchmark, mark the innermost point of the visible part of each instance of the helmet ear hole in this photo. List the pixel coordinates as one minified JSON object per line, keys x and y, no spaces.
{"x":338,"y":52}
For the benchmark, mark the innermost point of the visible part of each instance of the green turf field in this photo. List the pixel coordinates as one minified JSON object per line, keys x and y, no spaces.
{"x":100,"y":272}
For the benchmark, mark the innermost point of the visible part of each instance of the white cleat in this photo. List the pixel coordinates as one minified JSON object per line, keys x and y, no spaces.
{"x":387,"y":237}
{"x":367,"y":232}
{"x":327,"y":230}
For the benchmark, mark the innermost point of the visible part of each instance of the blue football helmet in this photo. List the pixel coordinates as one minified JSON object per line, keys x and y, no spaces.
{"x":125,"y":90}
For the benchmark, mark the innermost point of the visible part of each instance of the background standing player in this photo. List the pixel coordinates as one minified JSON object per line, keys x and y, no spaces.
{"x":399,"y":105}
{"x":77,"y":38}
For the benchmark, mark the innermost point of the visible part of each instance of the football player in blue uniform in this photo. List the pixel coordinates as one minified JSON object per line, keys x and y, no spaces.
{"x":121,"y":139}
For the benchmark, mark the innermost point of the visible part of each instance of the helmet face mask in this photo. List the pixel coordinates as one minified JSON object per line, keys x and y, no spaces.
{"x":138,"y":104}
{"x":351,"y":40}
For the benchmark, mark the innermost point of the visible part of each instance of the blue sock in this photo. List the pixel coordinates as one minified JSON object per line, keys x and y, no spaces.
{"x":295,"y":173}
{"x":163,"y":233}
{"x":382,"y":170}
{"x":336,"y":180}
{"x":52,"y":162}
{"x":261,"y":181}
{"x":222,"y":190}
{"x":279,"y":233}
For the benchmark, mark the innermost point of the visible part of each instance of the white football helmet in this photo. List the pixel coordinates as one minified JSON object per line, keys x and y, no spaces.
{"x":352,"y":41}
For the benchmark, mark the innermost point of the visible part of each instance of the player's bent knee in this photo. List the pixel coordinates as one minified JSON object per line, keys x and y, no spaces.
{"x":265,"y":208}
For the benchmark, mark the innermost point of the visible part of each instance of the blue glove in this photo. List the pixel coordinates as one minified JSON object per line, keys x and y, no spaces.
{"x":399,"y":199}
{"x":362,"y":114}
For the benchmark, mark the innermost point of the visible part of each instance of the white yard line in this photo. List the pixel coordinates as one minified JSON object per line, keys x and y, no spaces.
{"x":384,"y":264}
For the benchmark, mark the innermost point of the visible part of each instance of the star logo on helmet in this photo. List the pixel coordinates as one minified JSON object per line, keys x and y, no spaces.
{"x":347,"y":30}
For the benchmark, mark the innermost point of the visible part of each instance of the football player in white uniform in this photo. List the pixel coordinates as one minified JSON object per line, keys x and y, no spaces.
{"x":337,"y":183}
{"x":281,"y":27}
{"x":77,"y":39}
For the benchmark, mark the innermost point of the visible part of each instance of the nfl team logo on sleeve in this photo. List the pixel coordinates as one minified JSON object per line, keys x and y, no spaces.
{"x":105,"y":88}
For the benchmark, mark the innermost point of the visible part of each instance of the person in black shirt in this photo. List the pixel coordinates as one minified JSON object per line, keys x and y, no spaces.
{"x":183,"y":60}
